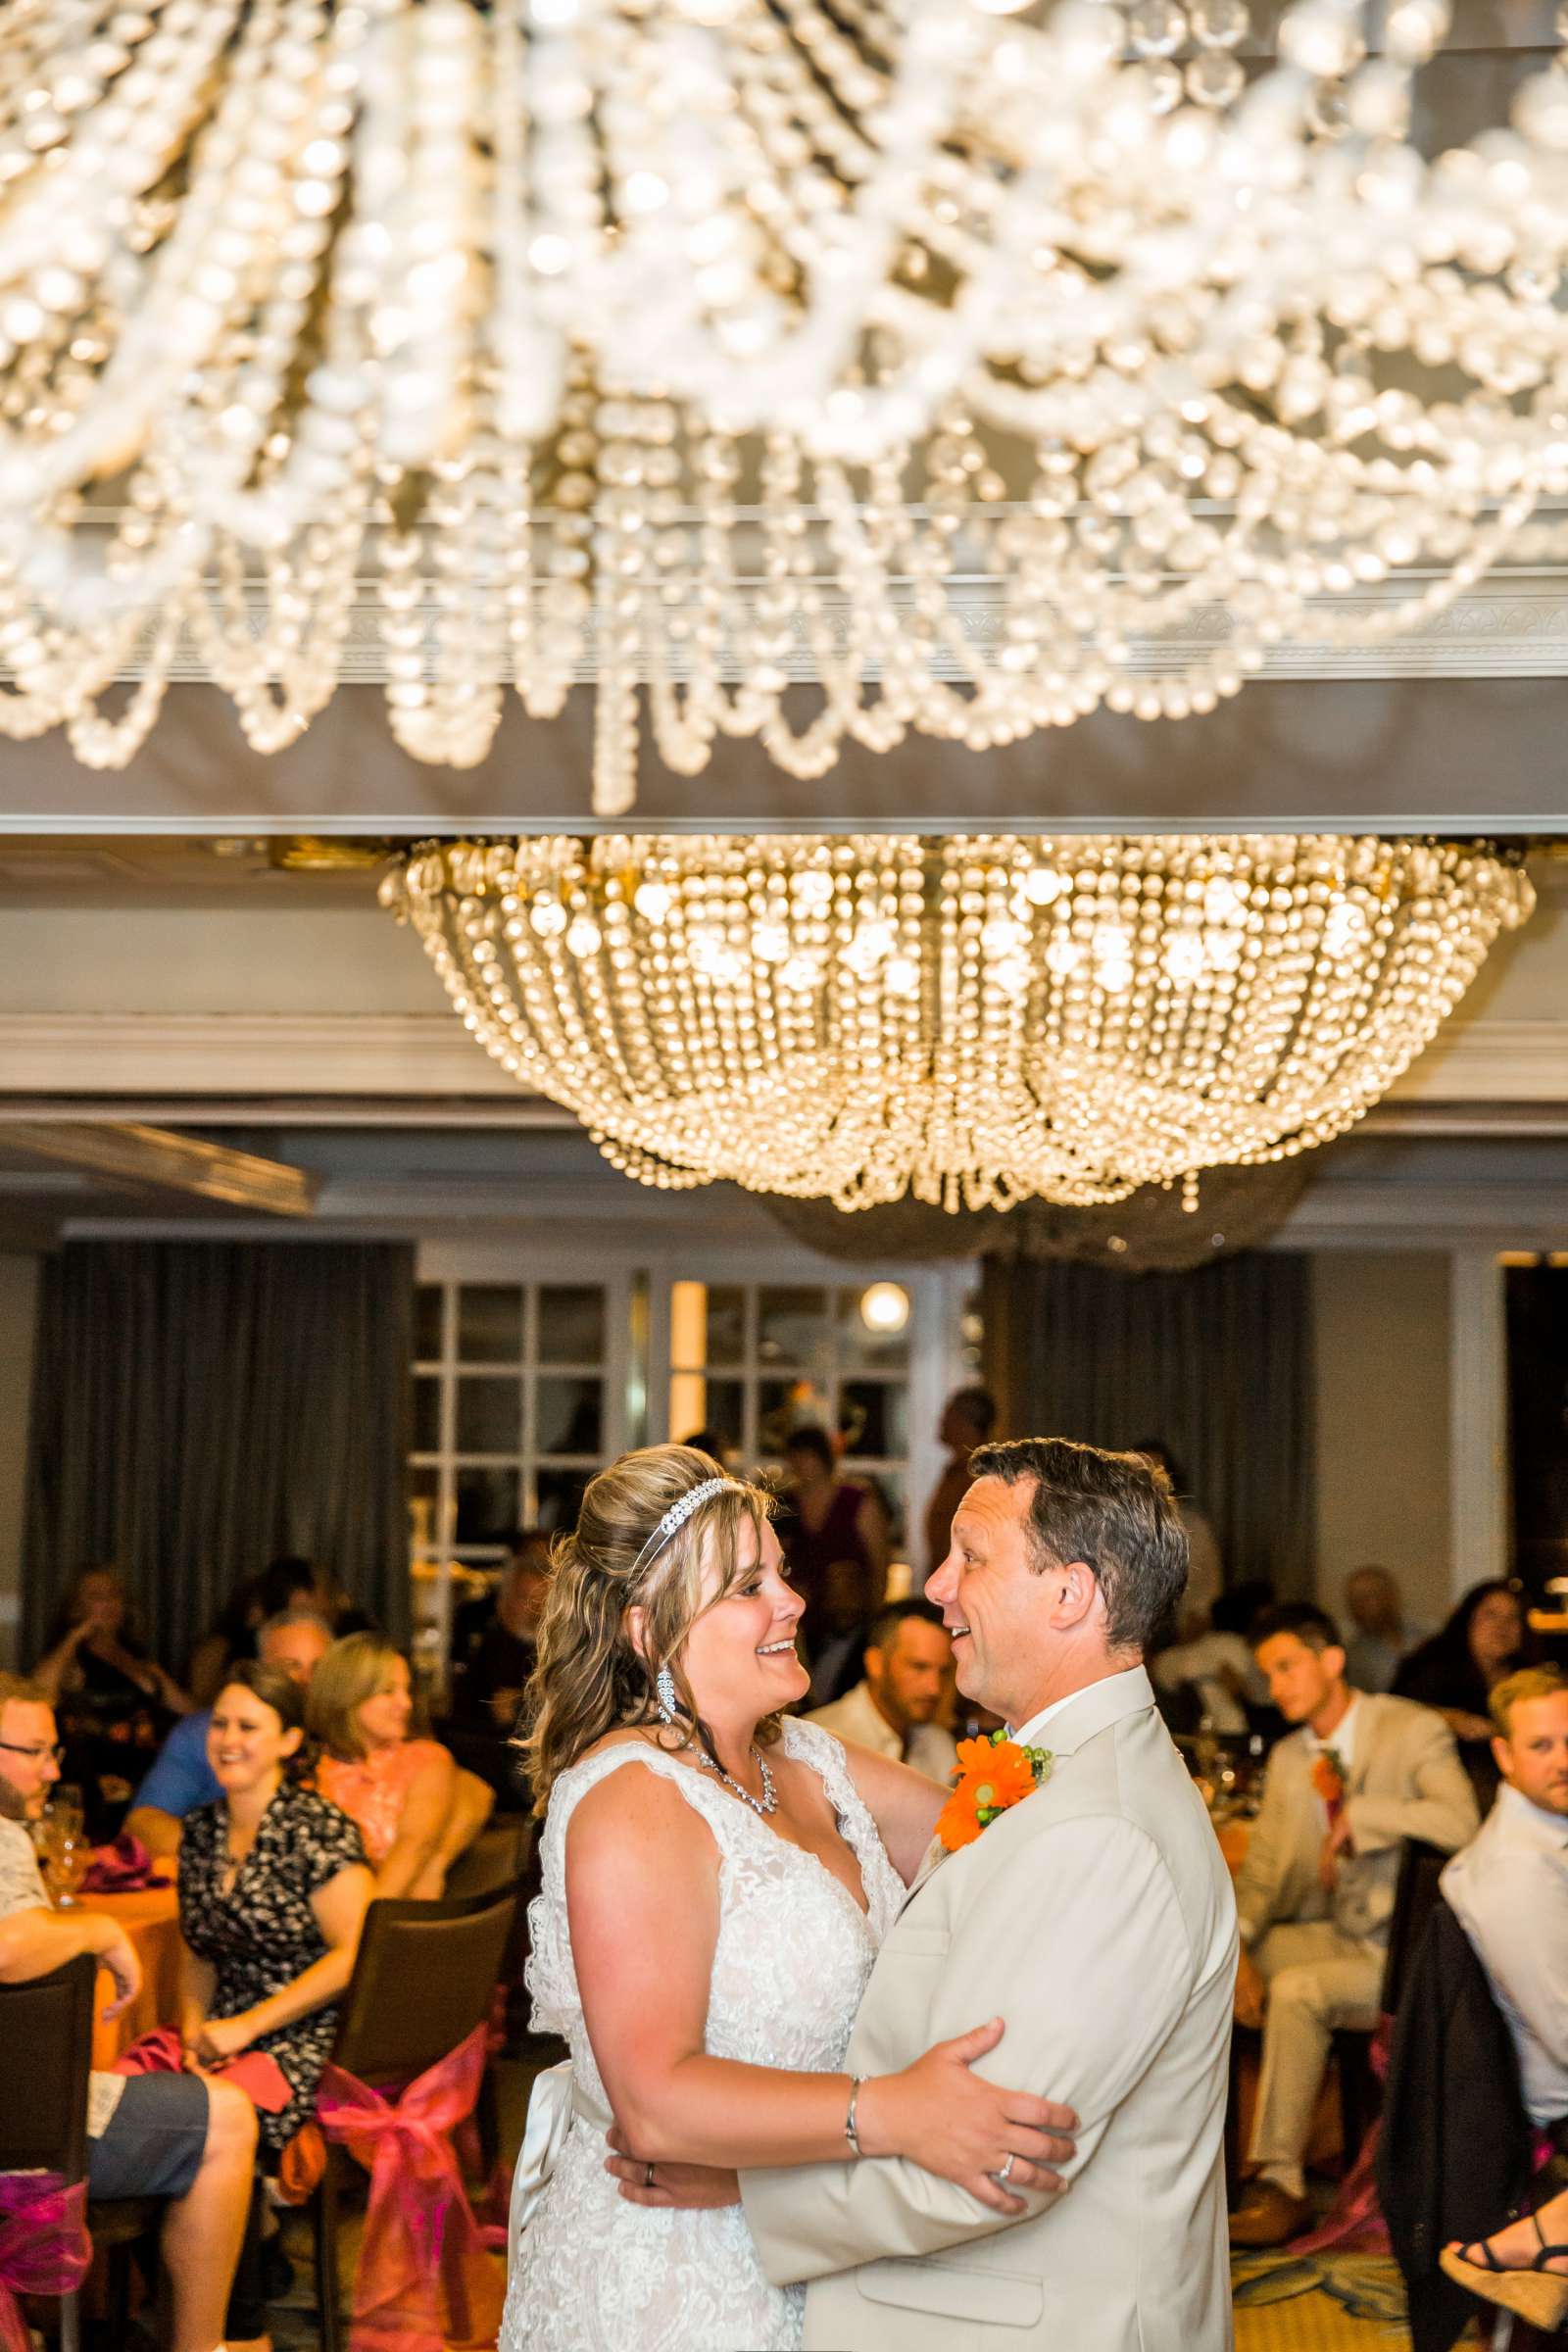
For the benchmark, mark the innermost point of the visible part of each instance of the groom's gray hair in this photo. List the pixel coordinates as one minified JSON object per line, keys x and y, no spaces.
{"x":1116,"y":1512}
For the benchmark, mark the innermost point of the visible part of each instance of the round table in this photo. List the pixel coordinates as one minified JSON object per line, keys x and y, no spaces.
{"x":149,"y":1918}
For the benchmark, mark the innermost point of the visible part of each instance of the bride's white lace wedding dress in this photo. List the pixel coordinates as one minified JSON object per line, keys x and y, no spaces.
{"x":594,"y":2273}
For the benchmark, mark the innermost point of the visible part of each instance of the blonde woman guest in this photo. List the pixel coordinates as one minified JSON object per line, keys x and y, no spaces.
{"x":415,"y":1810}
{"x":273,"y":1894}
{"x":717,"y":1881}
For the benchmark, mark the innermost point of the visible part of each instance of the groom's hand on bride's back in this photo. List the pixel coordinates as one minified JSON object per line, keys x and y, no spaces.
{"x":693,"y":2187}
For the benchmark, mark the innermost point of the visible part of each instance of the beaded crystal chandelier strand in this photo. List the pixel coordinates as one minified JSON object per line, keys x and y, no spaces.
{"x":945,"y":358}
{"x":973,"y":1021}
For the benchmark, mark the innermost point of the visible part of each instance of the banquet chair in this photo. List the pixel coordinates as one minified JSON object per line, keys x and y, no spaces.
{"x":497,"y":1859}
{"x":1415,"y":1891}
{"x":424,"y":1979}
{"x":45,"y":2059}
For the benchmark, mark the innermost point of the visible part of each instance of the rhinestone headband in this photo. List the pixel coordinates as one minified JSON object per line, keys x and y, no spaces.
{"x":679,"y":1512}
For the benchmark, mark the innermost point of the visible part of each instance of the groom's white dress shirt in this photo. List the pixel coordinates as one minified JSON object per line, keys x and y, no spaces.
{"x":1096,"y":1918}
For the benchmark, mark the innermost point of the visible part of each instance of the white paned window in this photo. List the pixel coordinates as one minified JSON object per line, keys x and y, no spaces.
{"x":749,"y":1361}
{"x":520,"y":1396}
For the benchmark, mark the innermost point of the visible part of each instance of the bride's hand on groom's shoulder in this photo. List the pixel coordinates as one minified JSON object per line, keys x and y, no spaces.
{"x":951,"y":2121}
{"x":693,"y":2187}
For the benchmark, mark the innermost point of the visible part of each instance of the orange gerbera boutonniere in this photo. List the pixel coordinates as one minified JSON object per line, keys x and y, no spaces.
{"x":994,"y":1775}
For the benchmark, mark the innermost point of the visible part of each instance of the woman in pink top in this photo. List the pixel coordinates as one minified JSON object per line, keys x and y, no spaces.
{"x":414,"y":1809}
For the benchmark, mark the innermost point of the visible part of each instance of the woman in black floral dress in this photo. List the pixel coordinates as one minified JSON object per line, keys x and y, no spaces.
{"x":272,"y":1891}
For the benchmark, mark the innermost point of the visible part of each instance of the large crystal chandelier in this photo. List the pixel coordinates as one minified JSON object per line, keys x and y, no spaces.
{"x":703,"y":347}
{"x":973,"y":1021}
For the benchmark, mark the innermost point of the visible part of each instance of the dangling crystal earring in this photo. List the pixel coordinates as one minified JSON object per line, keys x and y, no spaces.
{"x":664,"y":1692}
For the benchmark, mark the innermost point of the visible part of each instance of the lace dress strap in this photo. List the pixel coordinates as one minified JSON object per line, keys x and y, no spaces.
{"x":704,"y":1795}
{"x":549,"y":1972}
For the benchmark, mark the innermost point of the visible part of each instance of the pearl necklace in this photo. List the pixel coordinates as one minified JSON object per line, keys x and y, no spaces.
{"x":767,"y":1803}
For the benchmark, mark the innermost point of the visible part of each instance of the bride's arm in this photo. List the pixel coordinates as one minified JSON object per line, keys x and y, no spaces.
{"x":643,"y":1908}
{"x":903,"y":1804}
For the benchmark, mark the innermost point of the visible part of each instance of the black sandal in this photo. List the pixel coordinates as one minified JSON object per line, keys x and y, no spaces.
{"x":1535,"y":2293}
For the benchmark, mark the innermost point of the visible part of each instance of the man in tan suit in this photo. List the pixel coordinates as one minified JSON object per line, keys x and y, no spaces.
{"x":1095,"y":1918}
{"x":1316,"y":1891}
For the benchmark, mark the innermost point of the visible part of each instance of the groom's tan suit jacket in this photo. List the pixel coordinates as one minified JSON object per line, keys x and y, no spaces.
{"x":1096,"y":1918}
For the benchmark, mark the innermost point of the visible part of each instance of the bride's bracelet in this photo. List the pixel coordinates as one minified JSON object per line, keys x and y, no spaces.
{"x":851,"y":2132}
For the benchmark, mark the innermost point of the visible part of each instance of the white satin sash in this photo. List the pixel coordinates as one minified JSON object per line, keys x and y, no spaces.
{"x":551,"y":2103}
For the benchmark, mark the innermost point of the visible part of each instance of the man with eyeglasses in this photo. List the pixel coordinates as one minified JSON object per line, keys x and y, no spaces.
{"x":187,"y":2139}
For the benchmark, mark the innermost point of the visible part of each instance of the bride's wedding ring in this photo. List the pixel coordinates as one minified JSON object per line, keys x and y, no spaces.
{"x":1001,"y":2179}
{"x":647,"y":2175}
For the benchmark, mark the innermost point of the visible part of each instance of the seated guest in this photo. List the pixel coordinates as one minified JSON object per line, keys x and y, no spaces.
{"x":274,"y":1887}
{"x":1384,"y":1637}
{"x":113,"y":1704}
{"x":182,"y":1778}
{"x":1510,"y":1886}
{"x":414,"y":1808}
{"x":894,"y":1711}
{"x":1510,"y":1890}
{"x":968,"y":1419}
{"x":493,"y":1644}
{"x":1315,"y":1893}
{"x":283,"y":1585}
{"x":1217,"y":1674}
{"x":1457,"y":1670}
{"x":189,"y":2140}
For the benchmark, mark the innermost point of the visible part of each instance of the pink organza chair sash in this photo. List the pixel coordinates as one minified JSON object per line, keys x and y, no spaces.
{"x":425,"y":2277}
{"x":44,"y":2246}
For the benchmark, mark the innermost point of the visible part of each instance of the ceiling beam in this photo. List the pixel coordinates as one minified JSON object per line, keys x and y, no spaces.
{"x":157,"y":1159}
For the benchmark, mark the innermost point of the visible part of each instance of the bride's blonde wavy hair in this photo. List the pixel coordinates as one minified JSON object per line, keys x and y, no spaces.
{"x":590,"y":1677}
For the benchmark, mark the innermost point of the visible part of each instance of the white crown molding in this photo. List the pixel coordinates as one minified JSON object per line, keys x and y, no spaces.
{"x":244,"y":1052}
{"x":1490,"y":1061}
{"x":422,"y":1055}
{"x":1512,"y":623}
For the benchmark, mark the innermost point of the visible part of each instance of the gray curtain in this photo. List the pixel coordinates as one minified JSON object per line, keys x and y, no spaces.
{"x":1216,"y":1362}
{"x":200,"y":1407}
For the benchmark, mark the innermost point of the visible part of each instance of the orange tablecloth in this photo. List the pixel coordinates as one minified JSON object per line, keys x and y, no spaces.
{"x":1234,"y":1839}
{"x":151,"y":1919}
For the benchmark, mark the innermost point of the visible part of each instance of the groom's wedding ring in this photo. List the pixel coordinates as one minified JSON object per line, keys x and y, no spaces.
{"x":647,"y":2175}
{"x":1001,"y":2179}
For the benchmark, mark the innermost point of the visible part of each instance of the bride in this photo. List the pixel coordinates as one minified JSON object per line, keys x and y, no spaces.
{"x":707,"y":1926}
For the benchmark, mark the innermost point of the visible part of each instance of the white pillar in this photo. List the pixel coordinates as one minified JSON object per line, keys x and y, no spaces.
{"x":1477,"y":1449}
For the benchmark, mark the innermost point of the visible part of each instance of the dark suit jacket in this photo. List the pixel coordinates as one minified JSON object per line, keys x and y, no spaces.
{"x":1454,"y":2152}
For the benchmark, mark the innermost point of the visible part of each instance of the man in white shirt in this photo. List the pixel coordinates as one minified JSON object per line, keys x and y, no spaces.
{"x":908,"y":1658}
{"x":1315,"y":1893}
{"x":189,"y":2139}
{"x":1510,"y":1886}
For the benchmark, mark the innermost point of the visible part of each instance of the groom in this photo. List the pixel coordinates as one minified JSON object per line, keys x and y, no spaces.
{"x":1095,"y":1917}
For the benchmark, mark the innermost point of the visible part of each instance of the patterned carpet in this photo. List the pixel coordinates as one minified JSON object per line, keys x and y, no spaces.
{"x":1324,"y":2303}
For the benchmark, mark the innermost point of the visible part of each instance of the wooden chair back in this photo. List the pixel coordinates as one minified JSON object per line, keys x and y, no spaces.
{"x":495,"y":1862}
{"x":45,"y":2058}
{"x":423,"y":1977}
